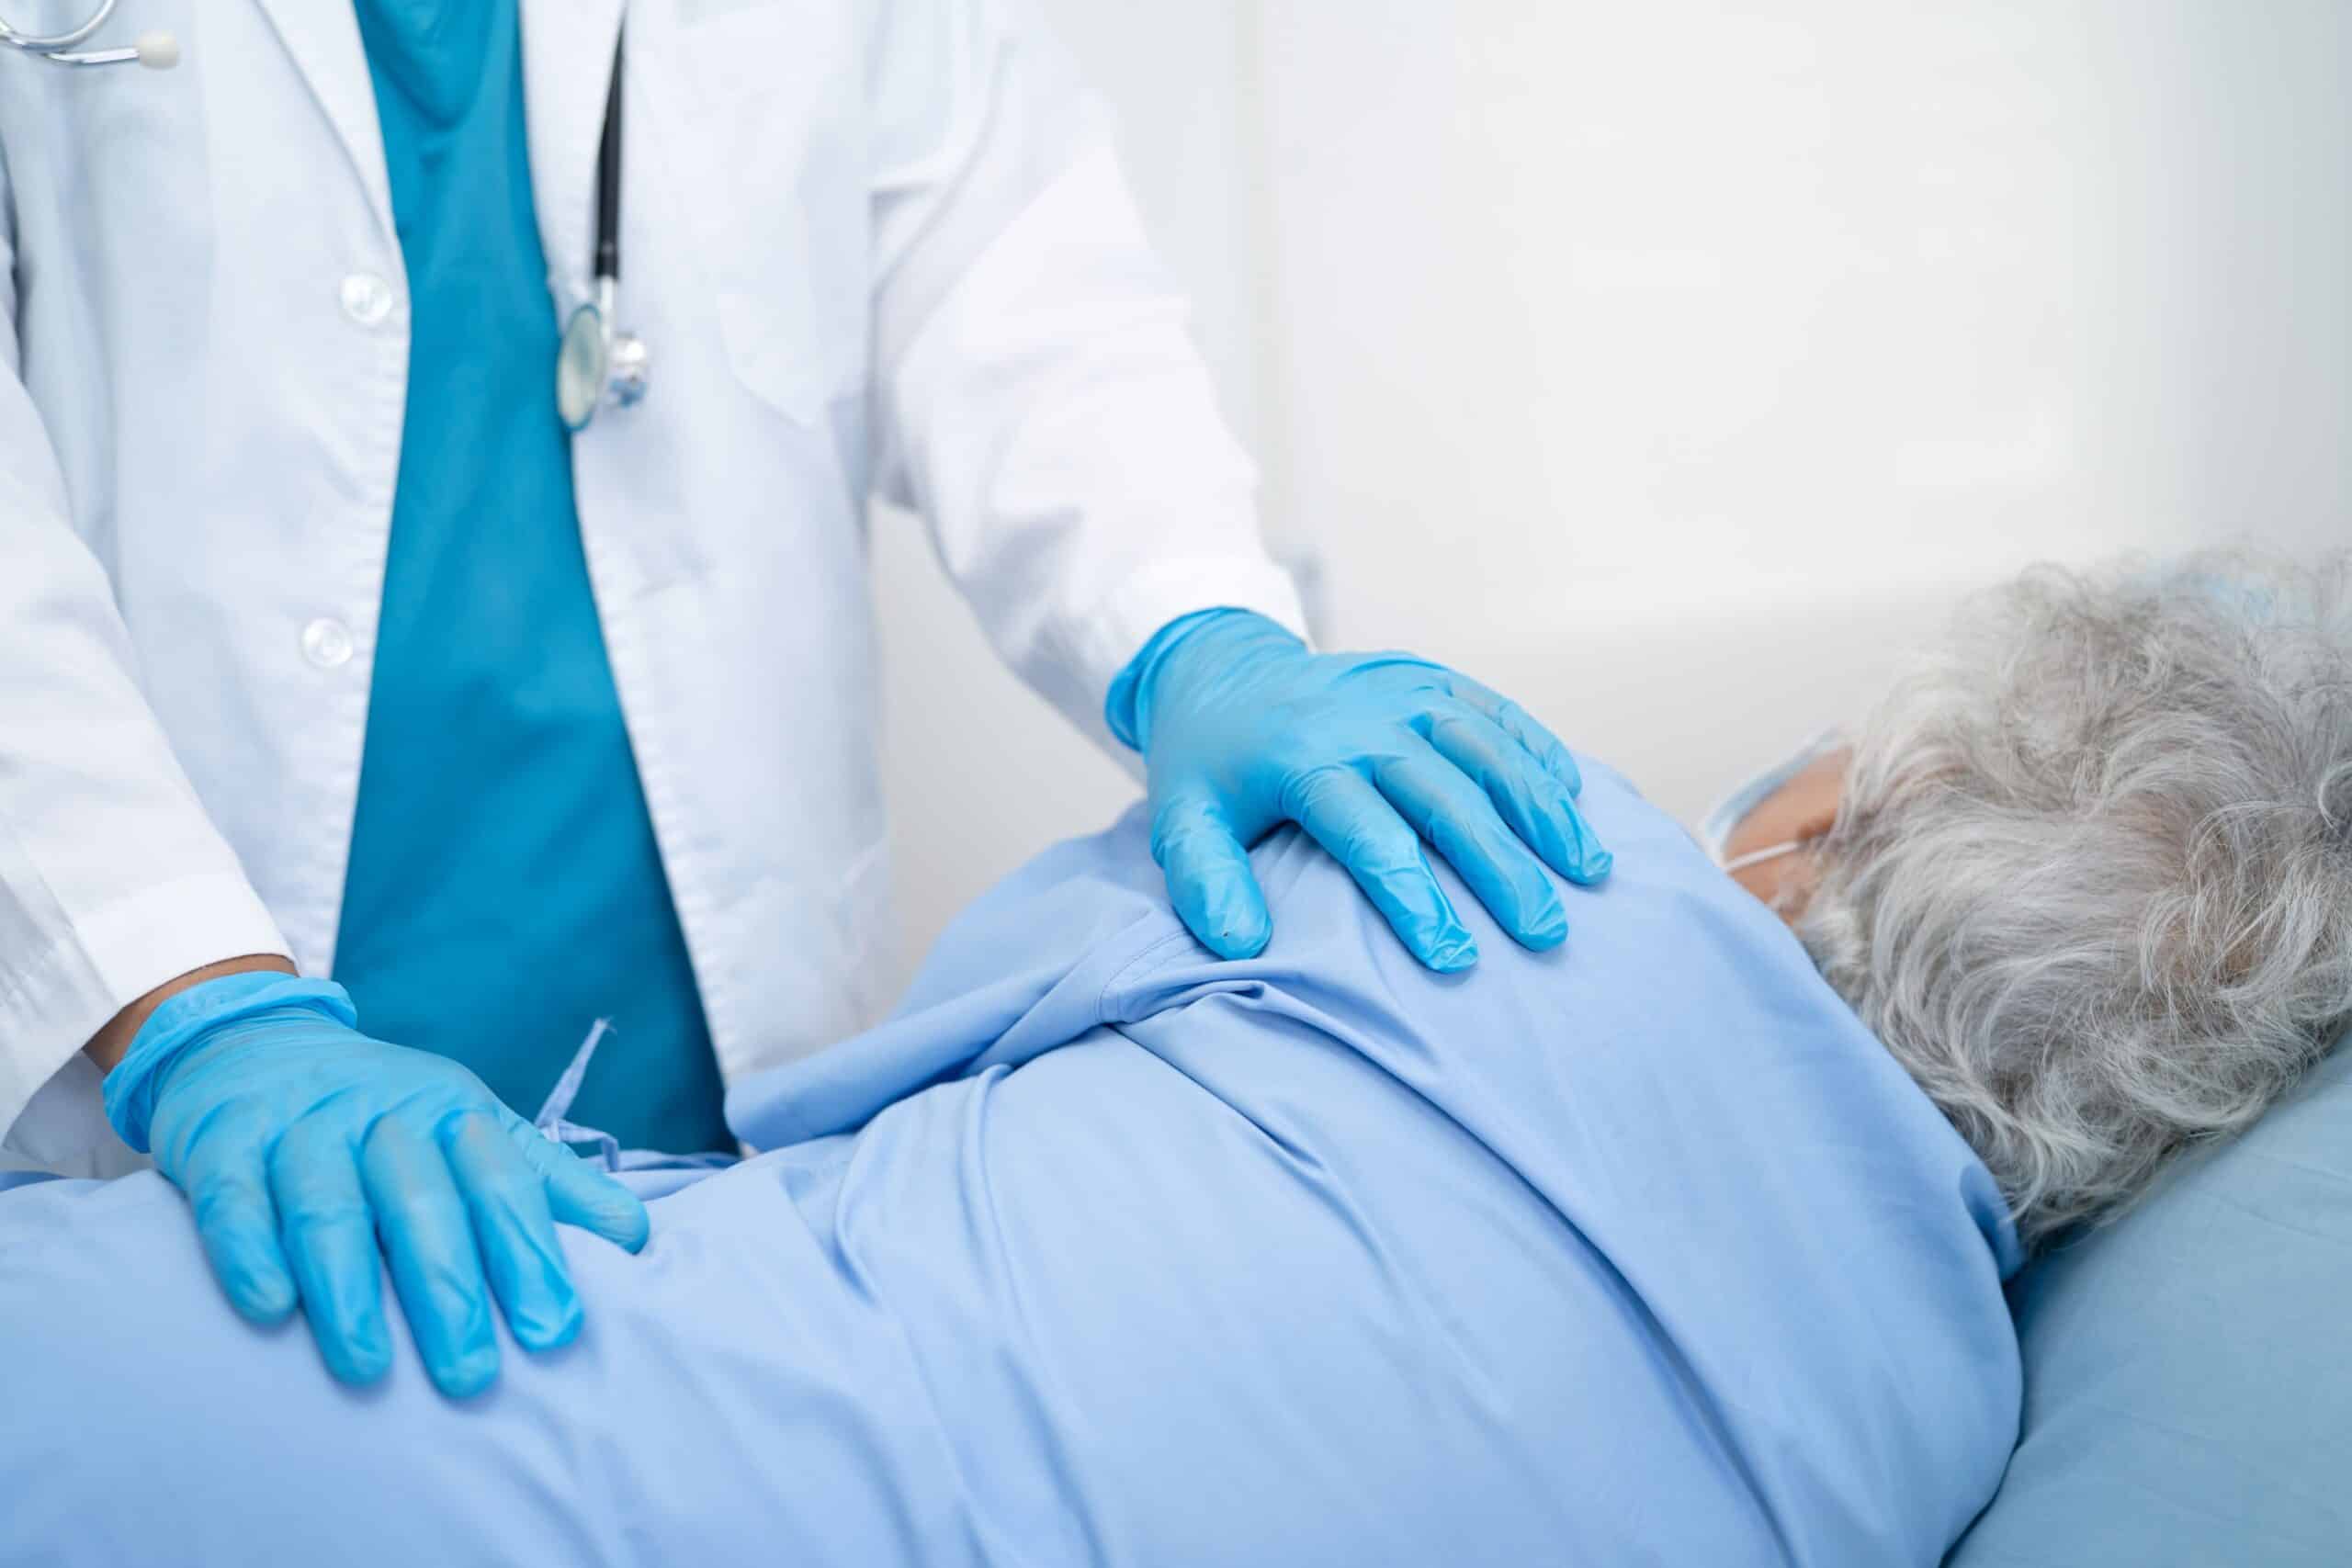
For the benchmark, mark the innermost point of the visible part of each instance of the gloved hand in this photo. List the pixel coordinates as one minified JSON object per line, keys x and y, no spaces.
{"x":1242,"y":729}
{"x":301,"y":1143}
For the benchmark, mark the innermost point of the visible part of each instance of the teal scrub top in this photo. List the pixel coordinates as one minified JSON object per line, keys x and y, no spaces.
{"x":504,"y":890}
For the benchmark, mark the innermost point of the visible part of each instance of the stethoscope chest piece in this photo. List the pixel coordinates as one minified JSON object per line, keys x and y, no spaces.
{"x":595,"y":365}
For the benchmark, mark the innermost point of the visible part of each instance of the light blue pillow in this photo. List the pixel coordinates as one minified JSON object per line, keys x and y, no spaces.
{"x":2188,"y":1369}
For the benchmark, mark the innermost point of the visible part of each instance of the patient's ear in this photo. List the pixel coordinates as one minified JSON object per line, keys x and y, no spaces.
{"x":1800,"y":811}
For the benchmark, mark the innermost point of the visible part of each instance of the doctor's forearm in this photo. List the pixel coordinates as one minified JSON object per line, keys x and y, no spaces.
{"x":108,"y":1046}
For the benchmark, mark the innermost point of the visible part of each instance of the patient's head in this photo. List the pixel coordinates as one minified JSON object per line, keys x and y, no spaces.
{"x":2089,"y":874}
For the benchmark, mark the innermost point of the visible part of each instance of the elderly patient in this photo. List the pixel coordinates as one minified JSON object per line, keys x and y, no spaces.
{"x":1682,"y":1244}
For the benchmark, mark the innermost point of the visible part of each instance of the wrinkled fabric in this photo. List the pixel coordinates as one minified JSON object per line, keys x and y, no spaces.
{"x":1103,"y":1250}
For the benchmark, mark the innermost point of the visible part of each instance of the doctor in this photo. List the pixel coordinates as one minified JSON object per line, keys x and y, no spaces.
{"x":327,"y":650}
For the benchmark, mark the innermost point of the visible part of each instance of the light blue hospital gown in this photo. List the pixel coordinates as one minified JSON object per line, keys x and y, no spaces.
{"x":1638,"y":1251}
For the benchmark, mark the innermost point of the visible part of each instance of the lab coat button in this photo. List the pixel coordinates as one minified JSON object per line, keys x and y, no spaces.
{"x":367,"y":298}
{"x":326,"y":643}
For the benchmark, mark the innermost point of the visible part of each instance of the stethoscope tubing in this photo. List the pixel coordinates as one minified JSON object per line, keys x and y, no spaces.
{"x":595,"y":361}
{"x":53,"y":43}
{"x":608,"y":179}
{"x":604,"y":264}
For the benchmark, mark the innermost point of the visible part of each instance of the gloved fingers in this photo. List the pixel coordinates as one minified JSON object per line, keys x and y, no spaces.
{"x":329,"y":1240}
{"x":1445,"y":806}
{"x":227,"y":1185}
{"x":515,"y":1231}
{"x":579,"y":1194}
{"x":1343,"y":812}
{"x":429,"y":1242}
{"x":1209,"y":880}
{"x":1539,"y":807}
{"x":1522,"y":726}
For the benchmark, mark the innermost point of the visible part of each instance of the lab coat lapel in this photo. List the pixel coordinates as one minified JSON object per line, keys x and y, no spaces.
{"x":567,"y":66}
{"x":323,"y":38}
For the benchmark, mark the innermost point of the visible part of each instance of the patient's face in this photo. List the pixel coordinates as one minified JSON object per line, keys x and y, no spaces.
{"x":1799,"y":810}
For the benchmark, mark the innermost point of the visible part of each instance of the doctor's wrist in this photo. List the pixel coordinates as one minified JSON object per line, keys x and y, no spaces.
{"x":107,"y":1047}
{"x":1127,"y":710}
{"x":226,"y":1010}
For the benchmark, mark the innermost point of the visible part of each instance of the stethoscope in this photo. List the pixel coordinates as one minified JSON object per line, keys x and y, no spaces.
{"x":596,"y":362}
{"x":158,"y":51}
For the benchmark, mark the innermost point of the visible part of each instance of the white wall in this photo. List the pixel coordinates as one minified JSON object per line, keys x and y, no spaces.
{"x":1667,"y":364}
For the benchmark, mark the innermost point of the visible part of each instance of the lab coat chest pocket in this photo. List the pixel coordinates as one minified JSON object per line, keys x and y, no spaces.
{"x":775,"y":180}
{"x":112,"y":205}
{"x":115,"y":155}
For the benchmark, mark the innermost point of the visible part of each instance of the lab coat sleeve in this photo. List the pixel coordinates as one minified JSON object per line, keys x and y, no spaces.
{"x":1038,"y":397}
{"x":112,"y":878}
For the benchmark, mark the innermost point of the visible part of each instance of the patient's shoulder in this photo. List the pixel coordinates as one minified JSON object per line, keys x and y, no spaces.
{"x":1666,"y":937}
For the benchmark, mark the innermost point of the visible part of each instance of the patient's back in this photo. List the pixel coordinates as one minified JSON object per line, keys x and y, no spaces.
{"x":1638,"y":1250}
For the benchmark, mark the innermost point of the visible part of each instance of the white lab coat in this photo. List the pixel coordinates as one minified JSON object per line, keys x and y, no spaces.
{"x":872,"y":245}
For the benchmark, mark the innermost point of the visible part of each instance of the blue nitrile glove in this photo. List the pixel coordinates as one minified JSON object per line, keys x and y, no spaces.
{"x":301,"y":1143}
{"x":1242,"y":729}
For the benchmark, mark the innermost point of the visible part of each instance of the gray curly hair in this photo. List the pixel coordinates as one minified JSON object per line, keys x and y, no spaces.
{"x":2091,"y":877}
